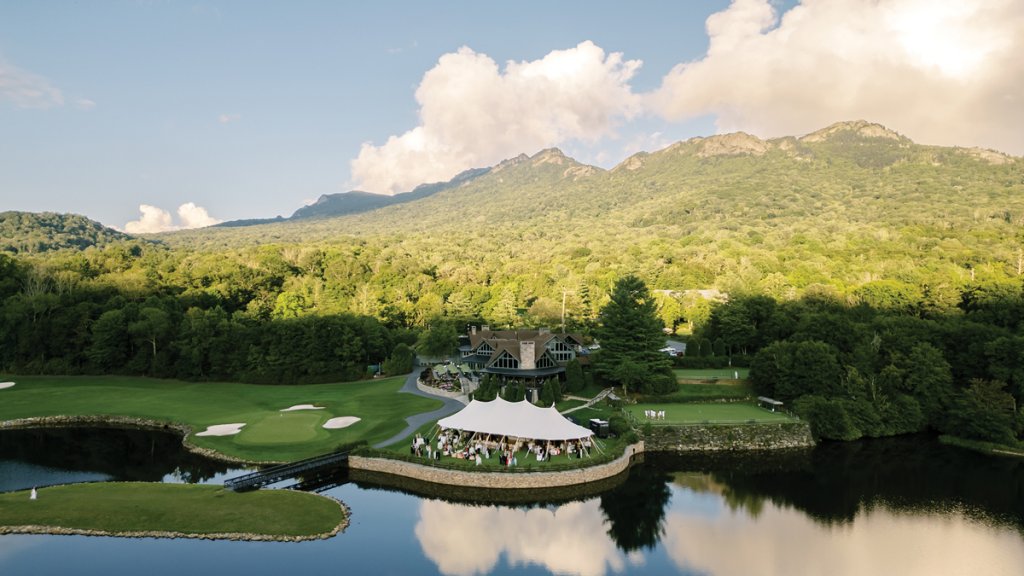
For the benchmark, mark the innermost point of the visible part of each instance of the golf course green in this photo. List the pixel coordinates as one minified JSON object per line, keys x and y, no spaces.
{"x":269,"y":434}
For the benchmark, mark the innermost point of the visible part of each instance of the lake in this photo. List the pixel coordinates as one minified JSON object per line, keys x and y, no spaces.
{"x":904,"y":506}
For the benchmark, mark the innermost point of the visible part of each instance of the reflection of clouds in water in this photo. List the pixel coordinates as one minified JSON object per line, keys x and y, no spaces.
{"x":12,"y":545}
{"x":464,"y":540}
{"x":785,"y":541}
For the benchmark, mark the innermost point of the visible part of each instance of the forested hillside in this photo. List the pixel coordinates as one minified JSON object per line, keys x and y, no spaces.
{"x":27,"y":232}
{"x":852,"y":249}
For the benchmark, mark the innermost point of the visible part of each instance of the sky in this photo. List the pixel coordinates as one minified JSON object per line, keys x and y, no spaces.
{"x":154,"y":115}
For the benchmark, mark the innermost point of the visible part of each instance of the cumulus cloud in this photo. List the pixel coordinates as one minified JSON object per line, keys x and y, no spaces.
{"x":27,"y":90}
{"x":940,"y":71}
{"x":472,"y":113}
{"x":158,"y":220}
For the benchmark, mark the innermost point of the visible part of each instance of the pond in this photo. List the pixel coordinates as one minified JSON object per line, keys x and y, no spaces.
{"x":906,"y":506}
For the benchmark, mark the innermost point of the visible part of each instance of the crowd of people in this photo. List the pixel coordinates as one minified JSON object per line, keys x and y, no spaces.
{"x":480,"y":448}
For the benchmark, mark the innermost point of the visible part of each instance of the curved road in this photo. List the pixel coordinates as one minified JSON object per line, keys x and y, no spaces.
{"x":413,"y":422}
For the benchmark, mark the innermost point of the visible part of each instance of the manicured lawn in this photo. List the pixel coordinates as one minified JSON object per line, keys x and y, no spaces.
{"x":187,"y":508}
{"x":709,"y":373}
{"x":720,"y":413}
{"x":269,"y":435}
{"x":697,"y":392}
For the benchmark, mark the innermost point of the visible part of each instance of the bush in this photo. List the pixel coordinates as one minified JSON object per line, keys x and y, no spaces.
{"x":619,"y":426}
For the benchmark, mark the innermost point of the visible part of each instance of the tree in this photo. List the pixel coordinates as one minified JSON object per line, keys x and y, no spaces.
{"x":400,"y":361}
{"x":631,"y":336}
{"x":984,"y":411}
{"x":439,"y":340}
{"x":574,"y":381}
{"x":151,"y":327}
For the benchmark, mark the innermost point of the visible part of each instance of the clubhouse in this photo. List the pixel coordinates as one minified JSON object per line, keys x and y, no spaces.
{"x":527,"y":355}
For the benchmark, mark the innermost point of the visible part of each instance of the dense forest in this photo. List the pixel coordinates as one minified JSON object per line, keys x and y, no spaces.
{"x":852,"y":264}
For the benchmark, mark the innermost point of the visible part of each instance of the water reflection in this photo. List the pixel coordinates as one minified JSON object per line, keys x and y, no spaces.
{"x":636,"y":509}
{"x":784,"y":541}
{"x":463,"y":539}
{"x":58,"y":455}
{"x":902,"y":506}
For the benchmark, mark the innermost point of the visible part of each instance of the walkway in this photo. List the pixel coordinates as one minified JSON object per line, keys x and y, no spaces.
{"x":413,"y":422}
{"x":604,"y":393}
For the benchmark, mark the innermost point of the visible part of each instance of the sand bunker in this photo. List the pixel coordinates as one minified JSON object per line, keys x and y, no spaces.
{"x":302,"y":407}
{"x":222,"y":430}
{"x":6,"y":385}
{"x":341,"y":422}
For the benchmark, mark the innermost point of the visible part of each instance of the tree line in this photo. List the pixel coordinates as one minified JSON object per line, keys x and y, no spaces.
{"x":857,"y":370}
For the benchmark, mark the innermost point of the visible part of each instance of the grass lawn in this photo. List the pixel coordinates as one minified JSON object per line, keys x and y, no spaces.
{"x":709,"y":373}
{"x":186,"y":508}
{"x":269,"y":435}
{"x":731,"y":413}
{"x":697,"y":392}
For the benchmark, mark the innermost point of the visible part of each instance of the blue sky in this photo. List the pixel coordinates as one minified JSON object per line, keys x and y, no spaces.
{"x":250,"y":109}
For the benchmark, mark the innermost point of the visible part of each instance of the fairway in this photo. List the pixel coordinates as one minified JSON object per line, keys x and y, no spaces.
{"x":268,"y":434}
{"x":718,"y":413}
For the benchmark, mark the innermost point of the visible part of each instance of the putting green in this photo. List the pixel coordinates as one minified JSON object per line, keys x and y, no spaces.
{"x":283,"y":428}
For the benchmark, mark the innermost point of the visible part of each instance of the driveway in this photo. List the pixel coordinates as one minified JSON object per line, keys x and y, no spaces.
{"x":413,"y":422}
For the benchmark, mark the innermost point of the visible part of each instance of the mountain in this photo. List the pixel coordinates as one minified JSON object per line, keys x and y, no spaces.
{"x":848,"y":204}
{"x":356,"y":202}
{"x":31,"y":232}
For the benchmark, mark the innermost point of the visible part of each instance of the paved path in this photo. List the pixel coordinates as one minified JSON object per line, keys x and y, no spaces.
{"x":413,"y":422}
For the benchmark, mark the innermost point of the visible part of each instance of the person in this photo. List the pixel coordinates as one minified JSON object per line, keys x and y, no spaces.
{"x":33,"y":495}
{"x":479,"y":460}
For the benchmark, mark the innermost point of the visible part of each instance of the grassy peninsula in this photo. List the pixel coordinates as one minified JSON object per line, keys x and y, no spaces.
{"x":148,"y":509}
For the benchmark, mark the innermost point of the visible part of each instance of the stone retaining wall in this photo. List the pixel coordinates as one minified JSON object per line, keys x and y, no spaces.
{"x":498,"y":480}
{"x":714,"y":438}
{"x":461,"y":397}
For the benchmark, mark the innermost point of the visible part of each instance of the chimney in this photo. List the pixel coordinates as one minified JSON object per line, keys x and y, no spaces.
{"x":485,"y":328}
{"x":527,"y":356}
{"x":472,"y":329}
{"x":543,"y":331}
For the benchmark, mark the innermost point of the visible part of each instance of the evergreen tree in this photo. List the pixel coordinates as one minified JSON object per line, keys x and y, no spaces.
{"x":631,"y":335}
{"x":574,"y":376}
{"x":547,"y":394}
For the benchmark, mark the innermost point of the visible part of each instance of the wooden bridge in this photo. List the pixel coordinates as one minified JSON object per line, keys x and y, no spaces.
{"x":316,"y":465}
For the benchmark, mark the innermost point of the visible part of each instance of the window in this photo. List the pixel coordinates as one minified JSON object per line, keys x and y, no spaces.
{"x":506,"y":361}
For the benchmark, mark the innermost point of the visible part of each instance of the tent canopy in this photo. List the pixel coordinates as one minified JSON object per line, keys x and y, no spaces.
{"x":517,"y":419}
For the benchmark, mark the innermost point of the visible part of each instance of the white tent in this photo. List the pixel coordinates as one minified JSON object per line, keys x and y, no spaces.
{"x":515,"y":419}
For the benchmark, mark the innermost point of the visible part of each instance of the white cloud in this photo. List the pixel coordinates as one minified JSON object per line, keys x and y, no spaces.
{"x":940,"y":71}
{"x":158,"y":220}
{"x":27,"y":90}
{"x":192,"y":216}
{"x":228,"y":118}
{"x":85,"y":104}
{"x":474,"y":114}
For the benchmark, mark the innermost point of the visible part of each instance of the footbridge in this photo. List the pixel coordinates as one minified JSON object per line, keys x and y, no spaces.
{"x":326,"y":463}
